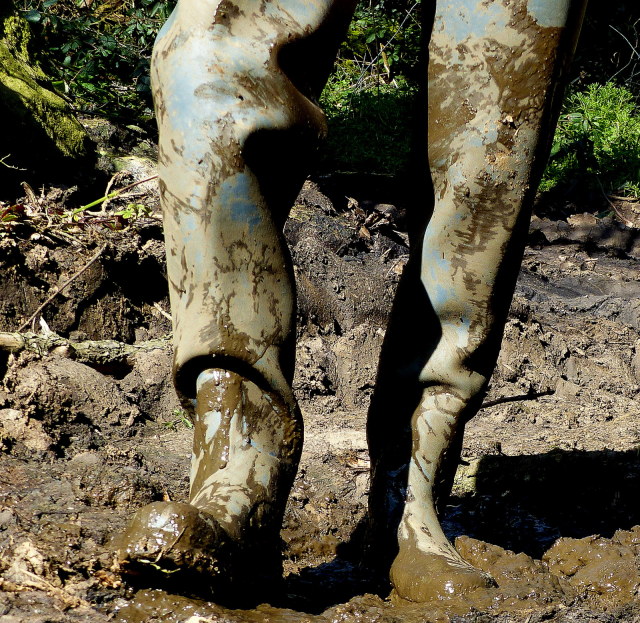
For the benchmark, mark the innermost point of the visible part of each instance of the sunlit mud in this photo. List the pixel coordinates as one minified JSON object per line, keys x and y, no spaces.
{"x":601,"y":574}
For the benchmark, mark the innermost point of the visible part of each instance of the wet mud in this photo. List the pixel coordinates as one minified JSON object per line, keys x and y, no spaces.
{"x":545,"y":500}
{"x":593,"y":574}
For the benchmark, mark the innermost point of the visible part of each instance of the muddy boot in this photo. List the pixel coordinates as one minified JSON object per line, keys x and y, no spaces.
{"x":496,"y":72}
{"x":412,"y":473}
{"x":234,"y":88}
{"x":245,"y":453}
{"x":427,"y":567}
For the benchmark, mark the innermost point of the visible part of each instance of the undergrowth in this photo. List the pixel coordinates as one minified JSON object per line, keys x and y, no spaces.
{"x":369,"y":99}
{"x":369,"y":129}
{"x":597,"y":142}
{"x":98,"y":52}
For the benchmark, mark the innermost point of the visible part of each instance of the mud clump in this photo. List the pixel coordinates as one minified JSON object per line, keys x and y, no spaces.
{"x":605,"y":573}
{"x":576,"y":578}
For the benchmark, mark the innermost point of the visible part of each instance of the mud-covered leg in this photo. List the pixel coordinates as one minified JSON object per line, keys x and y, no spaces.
{"x":233,"y":86}
{"x":495,"y":71}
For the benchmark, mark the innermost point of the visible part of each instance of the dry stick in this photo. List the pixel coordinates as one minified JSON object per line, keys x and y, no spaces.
{"x":25,"y":324}
{"x":107,"y":192}
{"x":89,"y":351}
{"x":622,"y":217}
{"x":9,"y":166}
{"x":164,"y":313}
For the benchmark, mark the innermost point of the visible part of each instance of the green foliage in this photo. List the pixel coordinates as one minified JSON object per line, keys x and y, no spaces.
{"x":179,"y":419}
{"x":369,"y":129}
{"x":597,"y":142}
{"x":99,"y":50}
{"x":11,"y":213}
{"x":383,"y":41}
{"x":369,"y":99}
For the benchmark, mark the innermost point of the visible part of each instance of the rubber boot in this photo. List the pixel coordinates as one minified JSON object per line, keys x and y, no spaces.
{"x":245,"y":452}
{"x":496,"y":71}
{"x":234,"y":89}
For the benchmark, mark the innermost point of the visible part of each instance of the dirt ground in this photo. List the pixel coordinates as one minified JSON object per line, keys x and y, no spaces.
{"x":546,"y":498}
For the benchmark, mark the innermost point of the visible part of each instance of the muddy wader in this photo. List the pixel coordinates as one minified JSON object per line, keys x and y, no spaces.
{"x":235,"y":83}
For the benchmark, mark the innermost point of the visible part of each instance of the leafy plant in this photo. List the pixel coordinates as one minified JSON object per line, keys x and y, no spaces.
{"x":597,"y":142}
{"x":133,"y":211}
{"x":11,"y":213}
{"x":369,"y":98}
{"x":369,"y":129}
{"x":179,"y":418}
{"x":99,"y":50}
{"x":383,"y":41}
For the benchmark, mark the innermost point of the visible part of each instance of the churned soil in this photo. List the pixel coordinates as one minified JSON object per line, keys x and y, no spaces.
{"x":546,"y":495}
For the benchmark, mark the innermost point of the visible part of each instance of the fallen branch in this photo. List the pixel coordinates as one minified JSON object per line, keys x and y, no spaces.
{"x":27,"y":322}
{"x":89,"y":351}
{"x":162,"y":312}
{"x":625,"y":221}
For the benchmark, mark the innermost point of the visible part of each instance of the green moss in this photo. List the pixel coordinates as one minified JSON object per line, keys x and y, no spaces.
{"x":16,"y":36}
{"x":39,"y":130}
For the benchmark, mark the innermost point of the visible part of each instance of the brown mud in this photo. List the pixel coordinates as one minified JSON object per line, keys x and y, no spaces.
{"x":545,"y":499}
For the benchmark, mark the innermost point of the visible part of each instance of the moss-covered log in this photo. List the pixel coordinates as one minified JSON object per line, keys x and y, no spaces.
{"x":40,"y":139}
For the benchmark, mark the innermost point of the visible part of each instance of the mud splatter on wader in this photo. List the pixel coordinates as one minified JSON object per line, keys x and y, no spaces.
{"x":235,"y":85}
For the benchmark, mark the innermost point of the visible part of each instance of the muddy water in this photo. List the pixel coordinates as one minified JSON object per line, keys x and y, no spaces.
{"x":597,"y":573}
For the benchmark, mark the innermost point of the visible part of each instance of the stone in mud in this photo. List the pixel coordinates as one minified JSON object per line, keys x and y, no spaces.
{"x":15,"y":426}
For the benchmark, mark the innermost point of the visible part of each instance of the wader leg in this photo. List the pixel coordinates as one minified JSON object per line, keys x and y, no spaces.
{"x":496,"y":72}
{"x":234,"y":84}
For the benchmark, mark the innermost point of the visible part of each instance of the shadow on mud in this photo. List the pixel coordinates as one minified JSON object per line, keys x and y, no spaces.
{"x":521,"y":503}
{"x":525,"y":503}
{"x":315,"y":589}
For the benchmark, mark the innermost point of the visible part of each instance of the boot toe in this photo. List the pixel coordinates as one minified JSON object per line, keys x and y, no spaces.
{"x":432,"y":577}
{"x":172,"y":536}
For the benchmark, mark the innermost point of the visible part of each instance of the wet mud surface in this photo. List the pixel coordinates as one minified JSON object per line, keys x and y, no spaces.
{"x":545,"y":499}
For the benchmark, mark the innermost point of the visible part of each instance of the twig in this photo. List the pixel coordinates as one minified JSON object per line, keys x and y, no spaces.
{"x":107,"y":193}
{"x":624,"y":219}
{"x":9,"y":166}
{"x":164,"y":313}
{"x":519,"y":398}
{"x":65,"y":237}
{"x":385,"y":45}
{"x":633,"y":50}
{"x":25,"y":324}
